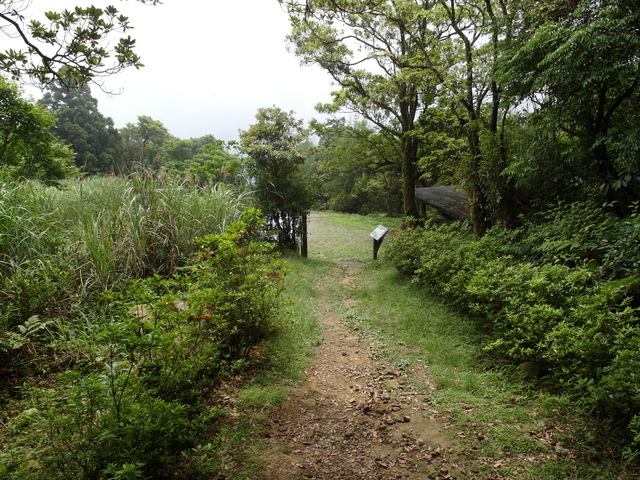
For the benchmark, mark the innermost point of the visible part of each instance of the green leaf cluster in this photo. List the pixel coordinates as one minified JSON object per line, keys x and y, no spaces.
{"x":73,"y":46}
{"x":355,"y":169}
{"x":28,"y":147}
{"x":560,"y":294}
{"x":523,"y":103}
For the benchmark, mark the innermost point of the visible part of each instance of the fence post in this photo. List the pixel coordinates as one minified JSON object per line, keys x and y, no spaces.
{"x":303,"y":243}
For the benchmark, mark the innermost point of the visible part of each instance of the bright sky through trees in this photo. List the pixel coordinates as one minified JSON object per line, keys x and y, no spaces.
{"x":209,"y":65}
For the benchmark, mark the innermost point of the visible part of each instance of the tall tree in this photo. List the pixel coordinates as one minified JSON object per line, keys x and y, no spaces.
{"x":375,"y":53}
{"x":142,"y":143}
{"x":73,"y":46}
{"x":274,"y":164}
{"x":28,"y":147}
{"x":92,"y":136}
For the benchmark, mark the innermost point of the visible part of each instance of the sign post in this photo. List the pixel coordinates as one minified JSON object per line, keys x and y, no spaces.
{"x":378,"y":235}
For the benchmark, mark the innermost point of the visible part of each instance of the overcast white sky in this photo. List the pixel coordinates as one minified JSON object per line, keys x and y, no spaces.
{"x":209,"y":65}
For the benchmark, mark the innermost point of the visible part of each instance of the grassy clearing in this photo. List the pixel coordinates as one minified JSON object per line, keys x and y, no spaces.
{"x":289,"y":352}
{"x":345,"y":237}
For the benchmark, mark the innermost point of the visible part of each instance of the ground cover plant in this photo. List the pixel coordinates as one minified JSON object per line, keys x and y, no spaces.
{"x":558,"y":297}
{"x":109,"y":360}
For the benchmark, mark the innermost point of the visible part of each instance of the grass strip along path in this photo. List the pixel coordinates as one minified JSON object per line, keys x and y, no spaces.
{"x":377,"y":380}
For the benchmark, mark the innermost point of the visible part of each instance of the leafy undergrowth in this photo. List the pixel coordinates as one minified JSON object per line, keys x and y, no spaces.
{"x":230,"y":448}
{"x":510,"y":427}
{"x":138,"y":381}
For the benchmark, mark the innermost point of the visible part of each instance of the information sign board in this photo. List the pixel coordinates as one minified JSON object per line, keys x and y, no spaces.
{"x":379,"y":232}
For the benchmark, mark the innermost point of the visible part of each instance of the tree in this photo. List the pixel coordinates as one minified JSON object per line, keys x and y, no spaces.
{"x":142,"y":142}
{"x":356,"y":168}
{"x":375,"y":52}
{"x":273,"y":164}
{"x":216,"y":164}
{"x":73,"y":47}
{"x":443,"y":146}
{"x":28,"y":148}
{"x":93,"y":137}
{"x":579,"y":73}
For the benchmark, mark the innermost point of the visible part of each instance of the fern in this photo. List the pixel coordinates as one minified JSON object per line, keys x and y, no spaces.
{"x":26,"y":334}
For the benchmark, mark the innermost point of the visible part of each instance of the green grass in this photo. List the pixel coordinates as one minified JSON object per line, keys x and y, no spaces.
{"x":414,"y":330}
{"x":335,"y":236}
{"x":105,"y":230}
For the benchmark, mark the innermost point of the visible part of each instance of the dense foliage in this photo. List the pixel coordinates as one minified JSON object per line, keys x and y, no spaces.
{"x":558,"y":296}
{"x":355,"y":170}
{"x":94,"y":236}
{"x":92,"y":137}
{"x":274,"y":164}
{"x":524,"y":103}
{"x":142,"y":143}
{"x":28,"y":147}
{"x":107,"y":365}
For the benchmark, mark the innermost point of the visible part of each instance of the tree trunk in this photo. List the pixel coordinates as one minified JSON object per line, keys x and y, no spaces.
{"x":476,"y":188}
{"x":409,"y":157}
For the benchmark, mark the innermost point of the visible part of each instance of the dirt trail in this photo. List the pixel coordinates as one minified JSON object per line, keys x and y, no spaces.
{"x":354,"y":418}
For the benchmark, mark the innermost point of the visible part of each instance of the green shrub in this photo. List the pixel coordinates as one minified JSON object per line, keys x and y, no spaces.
{"x":237,"y":285}
{"x":584,"y":234}
{"x":546,"y":300}
{"x":98,"y":424}
{"x":444,"y":257}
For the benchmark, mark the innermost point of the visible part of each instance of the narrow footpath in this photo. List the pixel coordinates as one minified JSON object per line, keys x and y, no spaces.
{"x":354,"y":418}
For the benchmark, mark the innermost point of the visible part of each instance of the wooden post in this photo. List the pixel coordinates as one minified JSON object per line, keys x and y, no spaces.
{"x":376,"y":247}
{"x":304,"y":246}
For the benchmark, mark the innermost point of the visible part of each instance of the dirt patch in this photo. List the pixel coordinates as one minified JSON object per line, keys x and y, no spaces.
{"x":354,"y":418}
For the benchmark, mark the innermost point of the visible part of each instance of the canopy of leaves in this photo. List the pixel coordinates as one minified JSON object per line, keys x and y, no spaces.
{"x":545,"y":95}
{"x":142,"y":143}
{"x":203,"y":161}
{"x":377,"y":52}
{"x":581,"y":73}
{"x":28,"y":148}
{"x":74,"y":46}
{"x":92,"y":136}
